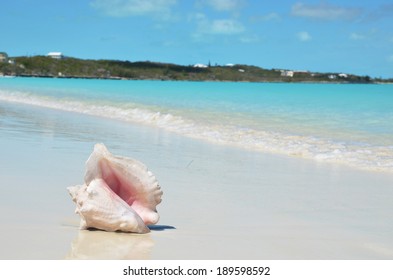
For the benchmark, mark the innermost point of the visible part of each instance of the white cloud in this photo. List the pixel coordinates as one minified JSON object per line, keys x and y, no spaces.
{"x":364,"y":35}
{"x":324,"y":11}
{"x":357,"y":36}
{"x":217,"y":26}
{"x":223,"y":5}
{"x":225,"y":26}
{"x":123,"y":8}
{"x":304,"y":36}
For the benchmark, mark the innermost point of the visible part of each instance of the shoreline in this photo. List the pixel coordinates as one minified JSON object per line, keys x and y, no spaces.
{"x":219,"y":202}
{"x":140,"y":70}
{"x":208,"y":81}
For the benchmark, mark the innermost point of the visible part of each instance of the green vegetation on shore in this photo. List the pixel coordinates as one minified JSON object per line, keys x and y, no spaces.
{"x":44,"y":66}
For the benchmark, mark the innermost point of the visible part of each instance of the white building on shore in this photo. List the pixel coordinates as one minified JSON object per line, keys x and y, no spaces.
{"x":55,"y":55}
{"x":287,"y":73}
{"x":200,"y":65}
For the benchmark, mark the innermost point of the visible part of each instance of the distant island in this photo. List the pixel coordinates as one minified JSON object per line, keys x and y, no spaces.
{"x":55,"y":65}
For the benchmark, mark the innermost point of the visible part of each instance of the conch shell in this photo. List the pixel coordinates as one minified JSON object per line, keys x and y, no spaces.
{"x":119,"y":194}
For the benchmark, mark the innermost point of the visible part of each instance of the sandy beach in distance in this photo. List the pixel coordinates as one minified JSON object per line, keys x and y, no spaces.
{"x":219,"y":202}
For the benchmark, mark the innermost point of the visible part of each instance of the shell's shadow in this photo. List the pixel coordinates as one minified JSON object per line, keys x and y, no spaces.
{"x":160,"y":227}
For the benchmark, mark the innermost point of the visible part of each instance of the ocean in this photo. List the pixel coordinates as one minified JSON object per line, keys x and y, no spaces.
{"x":349,"y":124}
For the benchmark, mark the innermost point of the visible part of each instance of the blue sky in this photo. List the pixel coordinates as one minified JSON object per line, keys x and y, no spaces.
{"x":326,"y":36}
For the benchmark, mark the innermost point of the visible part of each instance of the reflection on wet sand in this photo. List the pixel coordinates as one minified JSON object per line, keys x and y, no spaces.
{"x":95,"y":244}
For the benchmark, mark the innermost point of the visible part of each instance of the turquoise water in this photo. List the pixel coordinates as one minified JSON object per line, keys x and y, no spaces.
{"x":350,"y":124}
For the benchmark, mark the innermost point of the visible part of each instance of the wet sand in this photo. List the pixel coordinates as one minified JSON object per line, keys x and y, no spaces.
{"x":219,"y":202}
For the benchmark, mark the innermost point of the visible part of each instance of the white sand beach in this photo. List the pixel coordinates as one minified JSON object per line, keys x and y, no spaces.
{"x":219,"y":202}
